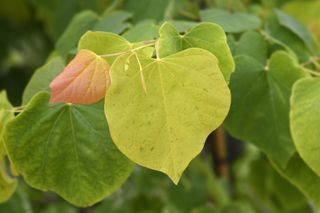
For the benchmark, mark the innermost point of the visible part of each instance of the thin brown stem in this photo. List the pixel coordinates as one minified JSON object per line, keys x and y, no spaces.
{"x":221,"y":153}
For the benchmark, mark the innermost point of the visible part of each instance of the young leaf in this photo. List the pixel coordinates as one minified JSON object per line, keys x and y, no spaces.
{"x":207,"y":36}
{"x":305,"y":119}
{"x":7,"y":184}
{"x":42,"y":77}
{"x":66,"y":149}
{"x":260,"y":104}
{"x":164,"y":126}
{"x":231,"y":22}
{"x":85,"y":80}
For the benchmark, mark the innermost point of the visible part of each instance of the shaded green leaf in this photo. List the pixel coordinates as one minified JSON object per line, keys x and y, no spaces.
{"x":42,"y":77}
{"x":252,"y":44}
{"x":65,"y":158}
{"x":115,"y":22}
{"x":296,"y":27}
{"x":80,"y":23}
{"x":260,"y":104}
{"x":231,"y":22}
{"x":144,"y":30}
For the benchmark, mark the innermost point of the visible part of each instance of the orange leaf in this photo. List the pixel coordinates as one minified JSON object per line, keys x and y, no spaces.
{"x":84,"y":81}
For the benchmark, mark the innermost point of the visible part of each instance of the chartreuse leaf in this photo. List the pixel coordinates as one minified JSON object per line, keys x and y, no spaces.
{"x":103,"y":43}
{"x":305,"y":119}
{"x":42,"y":77}
{"x":260,"y":104}
{"x":160,"y":111}
{"x":84,"y":81}
{"x":79,"y":24}
{"x":231,"y":22}
{"x":207,"y":36}
{"x":66,"y":149}
{"x":300,"y":175}
{"x":7,"y":184}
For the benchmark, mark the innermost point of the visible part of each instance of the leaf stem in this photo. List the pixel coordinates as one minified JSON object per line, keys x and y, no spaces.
{"x":145,"y":44}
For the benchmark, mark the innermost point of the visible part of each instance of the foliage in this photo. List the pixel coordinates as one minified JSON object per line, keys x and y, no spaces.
{"x":145,"y":83}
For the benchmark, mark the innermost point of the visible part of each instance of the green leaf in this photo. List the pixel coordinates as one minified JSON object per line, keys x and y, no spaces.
{"x":147,"y":9}
{"x":183,"y":26}
{"x":231,"y":22}
{"x":42,"y":77}
{"x":299,"y":29}
{"x":207,"y":36}
{"x":7,"y":184}
{"x":103,"y":43}
{"x":287,"y":39}
{"x":115,"y":22}
{"x":260,"y":104}
{"x":305,"y":119}
{"x":160,"y":115}
{"x":300,"y":175}
{"x":252,"y":44}
{"x":144,"y":30}
{"x":67,"y":149}
{"x":79,"y":25}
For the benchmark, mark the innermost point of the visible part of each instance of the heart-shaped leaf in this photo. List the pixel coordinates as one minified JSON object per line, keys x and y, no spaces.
{"x":67,"y":149}
{"x":160,"y":111}
{"x":84,"y":81}
{"x":207,"y":36}
{"x":260,"y":104}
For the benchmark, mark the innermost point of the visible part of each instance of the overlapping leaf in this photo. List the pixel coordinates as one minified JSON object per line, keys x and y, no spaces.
{"x":66,"y":149}
{"x":160,"y":114}
{"x":260,"y":104}
{"x":7,"y":183}
{"x":42,"y":77}
{"x":231,"y":22}
{"x":84,"y":81}
{"x":305,"y":119}
{"x":205,"y":35}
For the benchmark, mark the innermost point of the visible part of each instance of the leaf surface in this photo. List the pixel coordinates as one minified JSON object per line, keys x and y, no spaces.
{"x":231,"y":22}
{"x":260,"y":104}
{"x":305,"y":119}
{"x":42,"y":77}
{"x":85,"y":80}
{"x":161,"y":120}
{"x":207,"y":36}
{"x":7,"y":184}
{"x":66,"y":149}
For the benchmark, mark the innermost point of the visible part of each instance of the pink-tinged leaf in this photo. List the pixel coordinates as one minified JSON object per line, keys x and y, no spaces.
{"x":84,"y":81}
